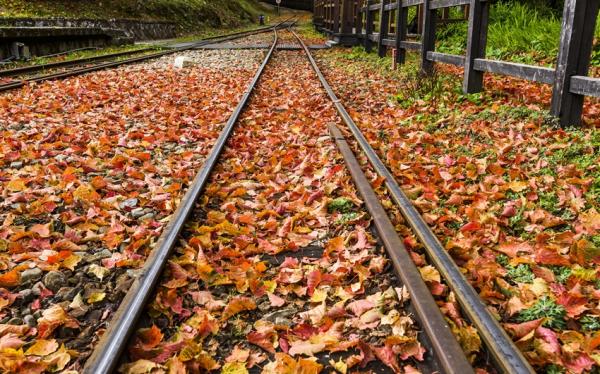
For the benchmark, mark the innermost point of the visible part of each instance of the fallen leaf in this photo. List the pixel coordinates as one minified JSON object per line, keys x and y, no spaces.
{"x":99,"y":271}
{"x":305,"y":348}
{"x":237,"y":305}
{"x":42,"y":347}
{"x":52,"y":318}
{"x":234,"y":368}
{"x":139,"y":367}
{"x":16,"y":185}
{"x":96,"y":297}
{"x":10,"y":279}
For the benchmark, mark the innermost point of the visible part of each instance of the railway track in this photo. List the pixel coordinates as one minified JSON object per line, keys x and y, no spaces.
{"x":115,"y":338}
{"x":444,"y":353}
{"x":505,"y":355}
{"x":17,"y":72}
{"x":19,"y":77}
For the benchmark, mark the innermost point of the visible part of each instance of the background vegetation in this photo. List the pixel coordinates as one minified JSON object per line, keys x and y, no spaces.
{"x":188,"y":14}
{"x":523,"y":31}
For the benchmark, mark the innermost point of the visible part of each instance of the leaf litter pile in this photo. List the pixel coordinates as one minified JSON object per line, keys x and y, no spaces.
{"x":278,"y":270}
{"x":515,"y":199}
{"x":91,"y":169}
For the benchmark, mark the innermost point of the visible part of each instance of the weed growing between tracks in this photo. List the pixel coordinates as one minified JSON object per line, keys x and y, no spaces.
{"x":279,"y":263}
{"x":91,"y":168}
{"x":512,"y":197}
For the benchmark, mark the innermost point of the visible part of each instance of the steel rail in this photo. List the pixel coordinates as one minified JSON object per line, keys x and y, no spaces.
{"x":59,"y":64}
{"x":446,"y":354}
{"x":34,"y":68}
{"x":75,"y":72}
{"x":506,"y":357}
{"x":106,"y":355}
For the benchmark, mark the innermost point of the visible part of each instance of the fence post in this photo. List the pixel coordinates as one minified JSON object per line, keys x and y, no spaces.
{"x":368,"y":27}
{"x":428,"y":38}
{"x":476,"y":43}
{"x":358,"y":21}
{"x":578,"y":24}
{"x":330,"y":16}
{"x":320,"y":15}
{"x":325,"y":19}
{"x":384,"y":24}
{"x":401,"y":26}
{"x":420,"y":19}
{"x":336,"y":16}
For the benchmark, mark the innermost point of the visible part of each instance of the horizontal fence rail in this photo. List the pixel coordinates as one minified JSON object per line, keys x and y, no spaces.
{"x":384,"y":24}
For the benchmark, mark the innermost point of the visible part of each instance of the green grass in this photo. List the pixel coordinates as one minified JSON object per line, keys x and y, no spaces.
{"x":561,"y":273}
{"x":341,"y":204}
{"x":307,"y":30}
{"x":553,"y":313}
{"x":188,"y":14}
{"x":590,"y":323}
{"x":520,"y":274}
{"x":517,"y":32}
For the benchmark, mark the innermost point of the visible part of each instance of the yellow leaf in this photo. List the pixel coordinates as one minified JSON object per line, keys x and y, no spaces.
{"x":318,"y":296}
{"x":430,"y":274}
{"x":340,"y":366}
{"x":85,"y":192}
{"x":139,"y":367}
{"x":189,"y":352}
{"x":16,"y":185}
{"x":539,"y":287}
{"x":270,"y":285}
{"x":342,"y":294}
{"x":234,"y":368}
{"x":96,"y":297}
{"x":71,"y":261}
{"x":308,"y":366}
{"x":215,"y":217}
{"x":42,"y":347}
{"x":517,"y":186}
{"x":285,"y":364}
{"x":237,"y":305}
{"x":228,"y":228}
{"x":469,"y":338}
{"x":99,"y":271}
{"x":206,"y":362}
{"x":59,"y":359}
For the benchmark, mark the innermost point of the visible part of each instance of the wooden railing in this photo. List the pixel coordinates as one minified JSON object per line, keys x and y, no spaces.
{"x":569,"y":79}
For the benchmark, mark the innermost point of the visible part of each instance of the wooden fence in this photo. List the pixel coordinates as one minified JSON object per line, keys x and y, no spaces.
{"x":384,"y":23}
